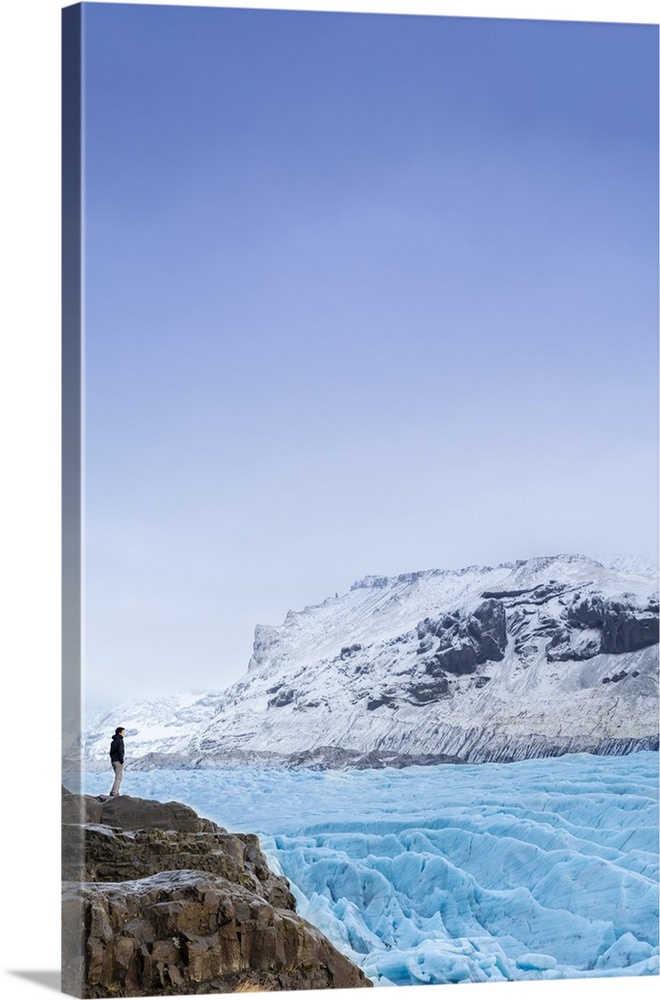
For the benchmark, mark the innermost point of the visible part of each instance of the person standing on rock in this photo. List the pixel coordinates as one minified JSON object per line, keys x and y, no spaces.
{"x":117,"y":758}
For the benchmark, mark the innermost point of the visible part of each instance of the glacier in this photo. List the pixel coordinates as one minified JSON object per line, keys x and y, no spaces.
{"x":533,"y":870}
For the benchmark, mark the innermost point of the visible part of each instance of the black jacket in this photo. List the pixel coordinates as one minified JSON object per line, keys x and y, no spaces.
{"x":117,"y":748}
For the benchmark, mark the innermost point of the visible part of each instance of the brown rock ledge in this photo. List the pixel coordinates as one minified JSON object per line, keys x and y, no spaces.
{"x":158,"y":901}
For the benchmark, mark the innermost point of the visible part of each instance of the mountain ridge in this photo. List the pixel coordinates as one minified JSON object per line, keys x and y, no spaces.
{"x":535,"y":657}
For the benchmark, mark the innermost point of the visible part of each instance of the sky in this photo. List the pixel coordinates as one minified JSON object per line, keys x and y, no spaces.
{"x":364,"y":294}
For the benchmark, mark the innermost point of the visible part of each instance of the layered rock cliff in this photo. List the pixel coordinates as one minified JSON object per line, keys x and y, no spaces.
{"x":158,"y":901}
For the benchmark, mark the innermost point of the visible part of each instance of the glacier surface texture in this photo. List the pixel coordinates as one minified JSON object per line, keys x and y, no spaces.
{"x":539,"y":869}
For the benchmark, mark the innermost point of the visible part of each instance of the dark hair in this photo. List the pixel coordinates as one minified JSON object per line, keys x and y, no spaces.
{"x":118,"y":730}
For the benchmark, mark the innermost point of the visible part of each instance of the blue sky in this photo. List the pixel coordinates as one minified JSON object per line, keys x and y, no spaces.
{"x":364,"y":294}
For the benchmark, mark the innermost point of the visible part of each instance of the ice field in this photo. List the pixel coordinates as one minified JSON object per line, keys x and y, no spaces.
{"x":542,"y":869}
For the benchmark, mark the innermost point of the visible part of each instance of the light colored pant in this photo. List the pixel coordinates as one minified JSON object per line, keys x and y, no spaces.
{"x":119,"y":774}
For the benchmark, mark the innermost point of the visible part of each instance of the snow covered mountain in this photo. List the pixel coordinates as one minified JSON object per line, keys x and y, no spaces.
{"x":527,"y":659}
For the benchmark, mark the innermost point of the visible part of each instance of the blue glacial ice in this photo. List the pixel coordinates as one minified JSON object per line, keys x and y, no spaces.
{"x":542,"y":869}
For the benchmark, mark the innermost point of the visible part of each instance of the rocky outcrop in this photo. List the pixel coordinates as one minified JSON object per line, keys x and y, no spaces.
{"x":330,"y":758}
{"x":582,"y":625}
{"x":160,"y":901}
{"x":127,"y":813}
{"x":458,"y":643}
{"x":624,"y":626}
